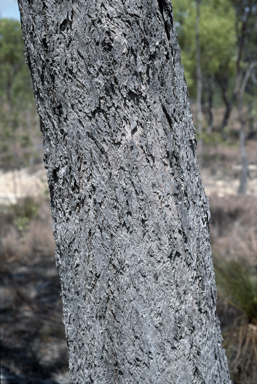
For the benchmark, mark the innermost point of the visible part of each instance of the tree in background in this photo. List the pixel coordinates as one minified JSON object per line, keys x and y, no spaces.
{"x":227,"y":36}
{"x":217,"y":38}
{"x":131,"y":219}
{"x":246,"y":12}
{"x":17,"y":109}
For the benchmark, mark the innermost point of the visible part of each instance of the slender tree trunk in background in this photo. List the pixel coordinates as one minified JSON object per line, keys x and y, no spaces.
{"x":241,"y":82}
{"x":250,"y":113}
{"x":210,"y":113}
{"x":209,"y":104}
{"x":130,"y":216}
{"x":244,"y":158}
{"x":199,"y":84}
{"x":228,"y":106}
{"x":11,"y":124}
{"x":226,"y":116}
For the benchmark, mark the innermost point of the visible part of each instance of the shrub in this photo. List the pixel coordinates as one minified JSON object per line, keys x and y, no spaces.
{"x":237,"y":285}
{"x":23,"y":212}
{"x":237,"y":282}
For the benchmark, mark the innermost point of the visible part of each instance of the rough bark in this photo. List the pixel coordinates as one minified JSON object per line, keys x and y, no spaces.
{"x":130,"y":216}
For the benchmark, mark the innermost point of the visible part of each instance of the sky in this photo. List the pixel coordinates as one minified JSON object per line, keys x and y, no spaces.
{"x":9,"y":9}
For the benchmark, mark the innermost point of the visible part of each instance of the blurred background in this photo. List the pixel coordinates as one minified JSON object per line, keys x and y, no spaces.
{"x":219,"y":53}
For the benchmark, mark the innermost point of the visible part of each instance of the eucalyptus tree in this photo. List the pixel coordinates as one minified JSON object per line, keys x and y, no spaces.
{"x":130,"y":216}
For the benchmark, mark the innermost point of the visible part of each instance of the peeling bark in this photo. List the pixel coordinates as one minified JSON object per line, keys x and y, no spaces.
{"x":130,"y":216}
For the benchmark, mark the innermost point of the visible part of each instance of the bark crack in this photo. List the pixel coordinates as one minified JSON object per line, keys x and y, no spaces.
{"x":162,"y":7}
{"x":169,"y":119}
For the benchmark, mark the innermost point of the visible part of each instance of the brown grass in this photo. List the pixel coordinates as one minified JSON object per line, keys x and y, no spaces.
{"x":234,"y":238}
{"x":234,"y":227}
{"x":240,"y":342}
{"x":32,"y":344}
{"x":36,"y":239}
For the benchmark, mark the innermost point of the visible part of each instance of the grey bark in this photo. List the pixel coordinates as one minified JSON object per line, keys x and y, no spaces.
{"x":130,"y":216}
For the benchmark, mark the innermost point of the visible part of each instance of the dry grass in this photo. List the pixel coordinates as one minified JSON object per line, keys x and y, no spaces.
{"x":33,"y":347}
{"x":25,"y":235}
{"x":224,"y":160}
{"x":240,"y":342}
{"x":233,"y":237}
{"x":234,"y":227}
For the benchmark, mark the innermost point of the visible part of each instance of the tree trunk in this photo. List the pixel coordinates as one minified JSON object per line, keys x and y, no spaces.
{"x":228,"y":106}
{"x":244,"y":158}
{"x":130,"y":216}
{"x":251,"y":116}
{"x":240,"y":92}
{"x":241,"y":82}
{"x":207,"y":105}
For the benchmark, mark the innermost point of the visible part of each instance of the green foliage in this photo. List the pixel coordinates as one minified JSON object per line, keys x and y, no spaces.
{"x":17,"y":105}
{"x":211,"y":139}
{"x":26,"y":207}
{"x":15,"y":79}
{"x":237,"y":284}
{"x":217,"y":37}
{"x":23,"y":212}
{"x":21,"y":223}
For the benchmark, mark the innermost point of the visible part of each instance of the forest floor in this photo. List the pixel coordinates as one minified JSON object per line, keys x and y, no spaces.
{"x":33,"y":346}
